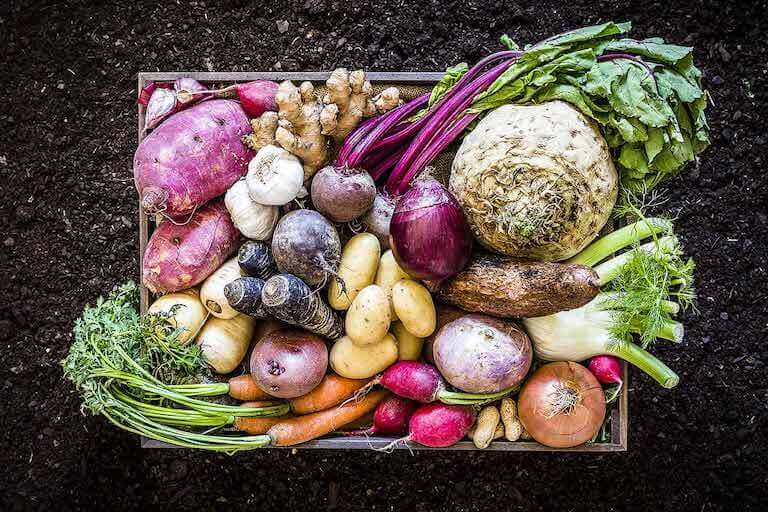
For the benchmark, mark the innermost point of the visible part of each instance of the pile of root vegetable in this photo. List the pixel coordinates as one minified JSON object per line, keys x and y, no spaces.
{"x":310,"y":278}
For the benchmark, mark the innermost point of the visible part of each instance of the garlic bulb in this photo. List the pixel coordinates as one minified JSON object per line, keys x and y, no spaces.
{"x":275,"y":176}
{"x":254,"y":220}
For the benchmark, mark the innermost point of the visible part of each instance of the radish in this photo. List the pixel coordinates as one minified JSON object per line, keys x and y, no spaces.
{"x":607,"y":370}
{"x":391,"y":417}
{"x":423,"y":383}
{"x":440,"y":425}
{"x":256,"y":97}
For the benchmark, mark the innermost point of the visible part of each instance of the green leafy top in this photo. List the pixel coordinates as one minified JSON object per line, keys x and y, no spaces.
{"x":646,"y":95}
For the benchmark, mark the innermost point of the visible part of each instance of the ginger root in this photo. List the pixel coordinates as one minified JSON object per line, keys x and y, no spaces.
{"x":263,"y":131}
{"x":303,"y":123}
{"x":348,"y":100}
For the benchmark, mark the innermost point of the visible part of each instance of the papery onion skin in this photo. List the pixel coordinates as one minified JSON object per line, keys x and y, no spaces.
{"x":429,"y":234}
{"x":379,"y":217}
{"x":539,"y":400}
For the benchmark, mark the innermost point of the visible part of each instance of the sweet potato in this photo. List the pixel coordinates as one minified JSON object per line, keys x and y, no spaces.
{"x":511,"y":288}
{"x":180,"y":256}
{"x":192,"y":157}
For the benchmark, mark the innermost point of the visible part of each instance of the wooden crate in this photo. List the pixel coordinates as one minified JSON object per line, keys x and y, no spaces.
{"x":619,"y":412}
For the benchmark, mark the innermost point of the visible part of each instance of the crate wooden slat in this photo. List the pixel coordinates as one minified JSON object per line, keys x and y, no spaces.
{"x":619,"y":412}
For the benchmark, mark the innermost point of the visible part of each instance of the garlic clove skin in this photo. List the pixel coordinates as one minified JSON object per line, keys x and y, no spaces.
{"x":275,"y":176}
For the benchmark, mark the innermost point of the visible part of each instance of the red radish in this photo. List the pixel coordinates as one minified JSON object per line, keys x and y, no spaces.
{"x":180,"y":256}
{"x":391,"y":417}
{"x":256,"y":97}
{"x":423,"y":383}
{"x":191,"y":158}
{"x":607,"y":370}
{"x":440,"y":425}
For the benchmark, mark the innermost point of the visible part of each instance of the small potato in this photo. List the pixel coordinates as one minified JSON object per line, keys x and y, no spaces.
{"x":414,"y":307}
{"x":359,"y":262}
{"x":409,"y":346}
{"x":368,"y":317}
{"x":355,"y":362}
{"x":188,"y":312}
{"x":212,"y":292}
{"x":388,"y":274}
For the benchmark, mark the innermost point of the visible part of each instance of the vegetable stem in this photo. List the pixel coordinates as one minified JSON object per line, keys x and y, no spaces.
{"x":646,"y":362}
{"x":609,"y":270}
{"x":605,"y":246}
{"x":461,"y":398}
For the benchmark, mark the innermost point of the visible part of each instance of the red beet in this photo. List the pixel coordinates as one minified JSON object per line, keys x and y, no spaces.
{"x":439,"y":425}
{"x":391,"y":417}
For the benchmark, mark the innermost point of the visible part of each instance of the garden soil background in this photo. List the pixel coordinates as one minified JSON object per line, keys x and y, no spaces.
{"x":68,"y":233}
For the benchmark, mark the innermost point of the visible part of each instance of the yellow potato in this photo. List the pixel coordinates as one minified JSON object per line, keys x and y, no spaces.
{"x":355,"y":362}
{"x":408,"y":346}
{"x":414,"y":307}
{"x":388,"y":274}
{"x":357,"y":269}
{"x":188,"y":315}
{"x":368,"y":317}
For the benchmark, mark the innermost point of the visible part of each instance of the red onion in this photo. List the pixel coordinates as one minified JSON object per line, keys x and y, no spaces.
{"x":429,"y":235}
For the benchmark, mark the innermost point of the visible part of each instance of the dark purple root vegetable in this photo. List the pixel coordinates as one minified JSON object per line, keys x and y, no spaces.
{"x":289,"y":363}
{"x":378,"y":218}
{"x":255,"y":259}
{"x":289,"y":299}
{"x":244,"y":295}
{"x":341,"y":193}
{"x":391,"y":417}
{"x":306,"y":245}
{"x":429,"y":235}
{"x":482,"y":354}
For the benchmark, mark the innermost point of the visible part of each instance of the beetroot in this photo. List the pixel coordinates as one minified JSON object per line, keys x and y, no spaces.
{"x":440,"y":425}
{"x":192,"y":157}
{"x":180,"y":256}
{"x":391,"y":417}
{"x":341,"y":193}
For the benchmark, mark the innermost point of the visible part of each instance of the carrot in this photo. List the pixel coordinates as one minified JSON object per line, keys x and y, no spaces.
{"x":261,"y":403}
{"x":305,"y":428}
{"x":332,"y":390}
{"x":244,"y":388}
{"x":256,"y":426}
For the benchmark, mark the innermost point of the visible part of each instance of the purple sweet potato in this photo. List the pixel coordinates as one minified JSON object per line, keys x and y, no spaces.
{"x":192,"y":157}
{"x":180,"y":256}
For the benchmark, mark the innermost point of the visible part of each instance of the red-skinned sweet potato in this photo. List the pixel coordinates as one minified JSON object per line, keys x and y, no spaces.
{"x":192,"y":157}
{"x":180,"y":256}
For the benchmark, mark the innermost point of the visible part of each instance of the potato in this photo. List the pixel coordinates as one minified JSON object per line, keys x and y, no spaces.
{"x":212,"y":292}
{"x":188,"y":316}
{"x":414,"y":307}
{"x":408,"y":346}
{"x":359,"y":261}
{"x":355,"y":362}
{"x":368,"y":317}
{"x":388,"y":274}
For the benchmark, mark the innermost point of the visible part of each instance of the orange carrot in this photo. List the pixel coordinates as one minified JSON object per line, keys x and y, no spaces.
{"x":243,"y":387}
{"x":305,"y":428}
{"x":332,"y":390}
{"x":258,"y":426}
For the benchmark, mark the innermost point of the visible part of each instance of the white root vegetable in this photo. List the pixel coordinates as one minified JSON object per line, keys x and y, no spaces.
{"x":357,"y":269}
{"x":388,"y":273}
{"x":485,"y":428}
{"x":409,"y":346}
{"x":361,"y":362}
{"x":414,"y":307}
{"x":368,"y":319}
{"x":255,"y":221}
{"x":185,"y":312}
{"x":275,"y":177}
{"x":535,"y":181}
{"x":224,"y":343}
{"x":212,"y":292}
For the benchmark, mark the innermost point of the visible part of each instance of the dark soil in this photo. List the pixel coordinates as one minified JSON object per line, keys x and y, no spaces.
{"x":68,"y":233}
